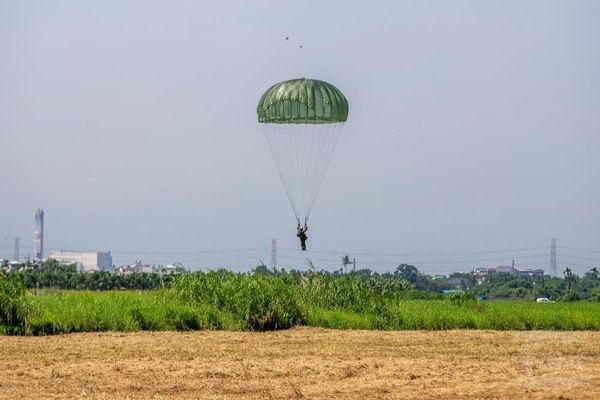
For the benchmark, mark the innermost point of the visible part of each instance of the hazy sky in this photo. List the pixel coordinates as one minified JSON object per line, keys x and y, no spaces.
{"x":474,"y":127}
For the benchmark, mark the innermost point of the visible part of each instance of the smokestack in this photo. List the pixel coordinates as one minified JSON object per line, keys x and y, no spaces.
{"x":17,"y":255}
{"x":39,"y":234}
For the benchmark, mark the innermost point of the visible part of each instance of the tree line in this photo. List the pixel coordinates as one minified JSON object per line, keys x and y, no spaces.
{"x":407,"y":278}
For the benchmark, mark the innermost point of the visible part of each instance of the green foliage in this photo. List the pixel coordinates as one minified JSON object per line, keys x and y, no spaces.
{"x":420,"y":281}
{"x":270,"y":299}
{"x":595,"y":295}
{"x":506,"y":286}
{"x":443,"y":314}
{"x":350,"y":292}
{"x":408,"y":272}
{"x":463,"y":299}
{"x":570,"y":296}
{"x":14,"y":307}
{"x":53,"y":275}
{"x":261,"y":302}
{"x":497,"y":286}
{"x":88,"y":311}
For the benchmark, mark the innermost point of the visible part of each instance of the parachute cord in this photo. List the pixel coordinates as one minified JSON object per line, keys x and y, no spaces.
{"x":302,"y":153}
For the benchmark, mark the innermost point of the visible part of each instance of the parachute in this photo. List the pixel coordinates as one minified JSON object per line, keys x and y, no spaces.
{"x":302,"y":120}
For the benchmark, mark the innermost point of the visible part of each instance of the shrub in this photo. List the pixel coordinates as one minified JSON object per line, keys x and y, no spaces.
{"x":261,"y":302}
{"x":463,"y":299}
{"x":14,"y":307}
{"x":569,"y":296}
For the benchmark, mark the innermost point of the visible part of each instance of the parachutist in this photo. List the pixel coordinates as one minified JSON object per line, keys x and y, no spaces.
{"x":302,"y":120}
{"x":302,"y":235}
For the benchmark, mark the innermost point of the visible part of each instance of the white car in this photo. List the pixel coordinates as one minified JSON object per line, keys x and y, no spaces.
{"x":544,"y":300}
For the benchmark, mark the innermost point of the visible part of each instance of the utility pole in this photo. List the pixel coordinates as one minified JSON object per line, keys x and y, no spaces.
{"x":553,"y":256}
{"x":274,"y":253}
{"x":353,"y":264}
{"x":17,"y":250}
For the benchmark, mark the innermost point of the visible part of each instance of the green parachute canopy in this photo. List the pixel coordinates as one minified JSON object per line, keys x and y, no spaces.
{"x":302,"y":101}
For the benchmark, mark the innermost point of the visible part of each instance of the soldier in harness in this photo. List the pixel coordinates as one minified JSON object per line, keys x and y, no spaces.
{"x":302,"y":235}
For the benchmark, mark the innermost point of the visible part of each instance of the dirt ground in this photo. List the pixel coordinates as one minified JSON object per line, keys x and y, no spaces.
{"x":303,"y":363}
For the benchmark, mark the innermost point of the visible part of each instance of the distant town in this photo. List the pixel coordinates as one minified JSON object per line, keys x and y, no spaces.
{"x":96,"y":270}
{"x":102,"y":261}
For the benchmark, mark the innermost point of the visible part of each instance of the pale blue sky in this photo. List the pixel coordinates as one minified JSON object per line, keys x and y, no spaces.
{"x":474,"y":127}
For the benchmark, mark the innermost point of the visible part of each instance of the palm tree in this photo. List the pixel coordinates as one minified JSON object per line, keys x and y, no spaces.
{"x":595,"y":272}
{"x":569,"y":277}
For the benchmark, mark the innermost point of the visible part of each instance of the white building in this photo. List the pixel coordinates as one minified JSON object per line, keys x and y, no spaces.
{"x":137,"y":268}
{"x":175,"y":268}
{"x":86,"y":262}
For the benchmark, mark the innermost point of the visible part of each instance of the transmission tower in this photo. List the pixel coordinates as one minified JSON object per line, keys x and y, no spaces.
{"x":274,"y":253}
{"x":345,"y":262}
{"x":17,"y":250}
{"x":553,"y":256}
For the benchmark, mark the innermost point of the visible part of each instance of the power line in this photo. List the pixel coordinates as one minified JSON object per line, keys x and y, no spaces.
{"x":570,"y":264}
{"x":212,"y":261}
{"x":579,"y":257}
{"x":420,"y":254}
{"x":581,"y":250}
{"x":420,"y":262}
{"x":182,"y":252}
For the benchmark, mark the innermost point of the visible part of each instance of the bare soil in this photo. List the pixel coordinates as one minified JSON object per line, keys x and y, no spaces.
{"x":303,"y":363}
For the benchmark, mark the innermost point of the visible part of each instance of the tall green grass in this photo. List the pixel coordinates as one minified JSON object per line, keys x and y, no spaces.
{"x":87,"y":311}
{"x":14,"y":307}
{"x":223,"y":300}
{"x":260,"y":302}
{"x":442,"y":315}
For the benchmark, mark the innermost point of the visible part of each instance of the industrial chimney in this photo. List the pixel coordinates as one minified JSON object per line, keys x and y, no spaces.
{"x":39,"y":234}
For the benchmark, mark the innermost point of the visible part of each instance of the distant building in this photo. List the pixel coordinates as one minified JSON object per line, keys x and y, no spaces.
{"x":175,"y":268}
{"x":531,"y":272}
{"x":456,"y":281}
{"x":136,"y":268}
{"x":139,"y":268}
{"x":484,"y":272}
{"x":85,"y":261}
{"x":507,"y":270}
{"x":439,"y":277}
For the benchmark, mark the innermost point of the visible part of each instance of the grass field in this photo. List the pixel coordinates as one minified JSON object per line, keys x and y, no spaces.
{"x":303,"y":363}
{"x":87,"y":311}
{"x":260,"y":302}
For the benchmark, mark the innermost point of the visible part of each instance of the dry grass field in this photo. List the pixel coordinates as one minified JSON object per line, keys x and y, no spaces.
{"x":303,"y":363}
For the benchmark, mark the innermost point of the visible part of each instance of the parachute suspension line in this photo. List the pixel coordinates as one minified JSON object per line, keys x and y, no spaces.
{"x":302,"y":153}
{"x":322,"y":160}
{"x":281,"y":150}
